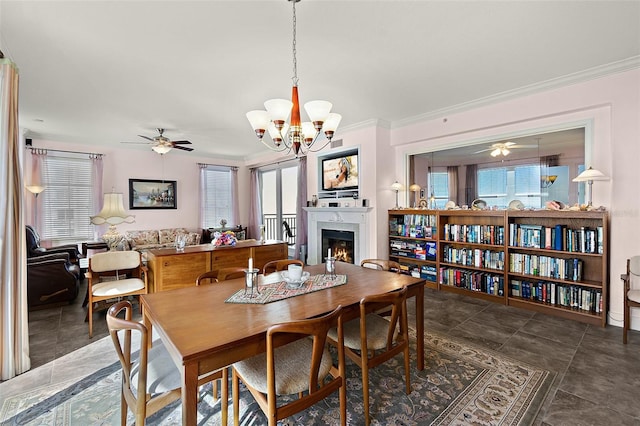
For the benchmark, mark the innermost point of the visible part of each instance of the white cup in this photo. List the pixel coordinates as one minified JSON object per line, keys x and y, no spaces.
{"x":295,"y":272}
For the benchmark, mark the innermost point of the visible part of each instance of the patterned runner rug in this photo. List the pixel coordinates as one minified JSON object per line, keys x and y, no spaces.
{"x":282,"y":290}
{"x":460,"y":385}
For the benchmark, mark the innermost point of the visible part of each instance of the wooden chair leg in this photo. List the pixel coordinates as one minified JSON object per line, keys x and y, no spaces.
{"x":407,"y":370}
{"x":625,"y":326}
{"x":123,"y":408}
{"x":235,"y":390}
{"x":365,"y":386}
{"x":90,"y":311}
{"x":224,"y":395}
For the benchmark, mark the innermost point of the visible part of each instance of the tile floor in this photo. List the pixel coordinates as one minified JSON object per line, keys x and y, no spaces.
{"x":597,"y":382}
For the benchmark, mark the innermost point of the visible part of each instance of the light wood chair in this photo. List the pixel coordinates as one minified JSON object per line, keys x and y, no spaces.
{"x":280,"y":265}
{"x":383,"y":338}
{"x":212,"y":276}
{"x":293,"y":368}
{"x":631,"y":292}
{"x":150,"y":378}
{"x":230,"y":273}
{"x":381,"y":264}
{"x":112,"y":275}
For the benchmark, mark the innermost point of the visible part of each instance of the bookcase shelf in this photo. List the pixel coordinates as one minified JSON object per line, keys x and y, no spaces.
{"x":473,"y":253}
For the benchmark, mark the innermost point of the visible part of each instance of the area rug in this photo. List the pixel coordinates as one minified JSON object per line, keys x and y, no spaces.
{"x":460,"y":385}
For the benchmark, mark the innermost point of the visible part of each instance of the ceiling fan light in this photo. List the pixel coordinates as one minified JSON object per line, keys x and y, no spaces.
{"x":505,"y":151}
{"x":278,"y":109}
{"x":496,"y":152}
{"x":161,"y":149}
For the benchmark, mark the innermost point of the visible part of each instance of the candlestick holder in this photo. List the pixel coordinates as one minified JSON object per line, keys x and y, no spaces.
{"x":330,"y":267}
{"x":251,"y":282}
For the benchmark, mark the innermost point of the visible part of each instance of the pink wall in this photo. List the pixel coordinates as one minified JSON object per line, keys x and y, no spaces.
{"x":122,"y":164}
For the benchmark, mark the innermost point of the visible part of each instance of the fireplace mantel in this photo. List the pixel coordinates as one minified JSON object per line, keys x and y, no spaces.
{"x":354,"y":219}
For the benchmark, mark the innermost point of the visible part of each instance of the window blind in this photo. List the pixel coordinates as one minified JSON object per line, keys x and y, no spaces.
{"x":67,"y":203}
{"x":217,"y":197}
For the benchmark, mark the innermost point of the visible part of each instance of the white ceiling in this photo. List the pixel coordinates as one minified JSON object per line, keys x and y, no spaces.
{"x":103,"y":72}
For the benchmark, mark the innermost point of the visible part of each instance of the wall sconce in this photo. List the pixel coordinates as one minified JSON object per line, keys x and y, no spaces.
{"x":547,"y":180}
{"x":35,"y":190}
{"x":397,"y":186}
{"x":415,"y":188}
{"x":589,"y":176}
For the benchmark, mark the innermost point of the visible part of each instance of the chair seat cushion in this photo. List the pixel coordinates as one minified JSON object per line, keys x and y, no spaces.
{"x":634,"y":295}
{"x":293,"y":363}
{"x":117,"y":287}
{"x":162,"y":373}
{"x":377,"y":328}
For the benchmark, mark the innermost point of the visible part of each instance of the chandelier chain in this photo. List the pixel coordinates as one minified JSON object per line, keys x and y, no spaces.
{"x":295,"y":61}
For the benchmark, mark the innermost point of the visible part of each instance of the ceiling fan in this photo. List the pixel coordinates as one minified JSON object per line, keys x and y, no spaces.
{"x":503,"y":148}
{"x":162,"y":144}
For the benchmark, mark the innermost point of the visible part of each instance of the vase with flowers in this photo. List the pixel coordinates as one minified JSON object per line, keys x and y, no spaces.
{"x":227,"y":238}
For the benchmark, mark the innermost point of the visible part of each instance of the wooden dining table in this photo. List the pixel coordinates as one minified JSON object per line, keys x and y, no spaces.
{"x":203,"y":333}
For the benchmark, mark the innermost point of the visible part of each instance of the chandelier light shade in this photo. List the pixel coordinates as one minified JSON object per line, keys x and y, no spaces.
{"x":281,"y":117}
{"x":589,"y":176}
{"x":112,"y":213}
{"x":547,"y":180}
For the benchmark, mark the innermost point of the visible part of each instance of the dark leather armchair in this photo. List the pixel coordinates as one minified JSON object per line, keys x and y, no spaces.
{"x":34,"y":249}
{"x":51,"y":278}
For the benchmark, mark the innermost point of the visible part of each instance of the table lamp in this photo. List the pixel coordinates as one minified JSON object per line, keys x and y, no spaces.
{"x":112,"y":213}
{"x":397,"y":186}
{"x":589,"y":176}
{"x":415,"y":188}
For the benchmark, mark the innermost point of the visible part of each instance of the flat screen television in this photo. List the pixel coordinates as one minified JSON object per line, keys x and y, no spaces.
{"x":340,"y":172}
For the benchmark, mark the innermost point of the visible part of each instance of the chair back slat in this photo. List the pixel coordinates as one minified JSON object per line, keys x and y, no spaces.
{"x":114,"y":260}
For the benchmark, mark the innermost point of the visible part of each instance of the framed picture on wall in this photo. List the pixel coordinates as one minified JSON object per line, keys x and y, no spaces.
{"x":152,"y":194}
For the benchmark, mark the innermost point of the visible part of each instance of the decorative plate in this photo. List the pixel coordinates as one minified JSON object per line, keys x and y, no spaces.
{"x":516,"y":205}
{"x":423,"y":203}
{"x":450,"y":205}
{"x":478,"y":204}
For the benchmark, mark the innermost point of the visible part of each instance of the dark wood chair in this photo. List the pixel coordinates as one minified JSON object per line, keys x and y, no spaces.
{"x":381,"y":337}
{"x":230,"y":273}
{"x":280,"y":265}
{"x":381,"y":264}
{"x":299,"y":367}
{"x":150,"y":378}
{"x":211,"y":276}
{"x":631,"y":292}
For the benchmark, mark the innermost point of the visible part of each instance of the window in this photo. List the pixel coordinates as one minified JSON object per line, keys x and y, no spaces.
{"x":67,"y":203}
{"x":217,"y":194}
{"x":279,"y":195}
{"x":440,"y":188}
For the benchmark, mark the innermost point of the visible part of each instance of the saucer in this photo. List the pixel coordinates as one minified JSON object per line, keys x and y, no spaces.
{"x":294,"y":283}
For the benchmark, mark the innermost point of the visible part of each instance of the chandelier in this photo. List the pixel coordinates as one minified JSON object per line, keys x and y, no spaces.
{"x":294,"y":135}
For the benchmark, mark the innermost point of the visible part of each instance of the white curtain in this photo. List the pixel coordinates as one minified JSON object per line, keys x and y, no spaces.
{"x":203,"y":195}
{"x":14,"y":325}
{"x":301,"y":214}
{"x":255,"y":205}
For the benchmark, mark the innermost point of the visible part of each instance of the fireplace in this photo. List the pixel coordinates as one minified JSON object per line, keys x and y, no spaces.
{"x":341,"y":244}
{"x":354,"y":220}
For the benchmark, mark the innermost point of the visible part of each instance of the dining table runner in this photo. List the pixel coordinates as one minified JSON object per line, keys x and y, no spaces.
{"x":282,"y":290}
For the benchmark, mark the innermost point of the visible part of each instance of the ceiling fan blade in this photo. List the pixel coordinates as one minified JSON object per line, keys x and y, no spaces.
{"x":137,"y":143}
{"x":147,"y":137}
{"x":524,"y":146}
{"x":184,"y":148}
{"x":484,"y":150}
{"x":181,"y":142}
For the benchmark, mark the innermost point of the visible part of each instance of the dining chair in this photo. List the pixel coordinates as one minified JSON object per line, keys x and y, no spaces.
{"x":230,"y":273}
{"x":114,"y":274}
{"x":150,"y":378}
{"x":378,"y":336}
{"x":381,"y":264}
{"x":299,"y":367}
{"x":212,"y":276}
{"x":280,"y":265}
{"x":631,"y":292}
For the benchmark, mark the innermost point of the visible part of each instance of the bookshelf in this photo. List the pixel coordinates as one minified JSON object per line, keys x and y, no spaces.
{"x":553,"y":262}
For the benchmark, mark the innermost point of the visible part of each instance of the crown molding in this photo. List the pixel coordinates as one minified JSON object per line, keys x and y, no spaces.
{"x":578,"y":77}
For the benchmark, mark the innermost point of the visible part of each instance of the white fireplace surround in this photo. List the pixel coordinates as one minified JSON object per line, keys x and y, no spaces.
{"x":354,"y":219}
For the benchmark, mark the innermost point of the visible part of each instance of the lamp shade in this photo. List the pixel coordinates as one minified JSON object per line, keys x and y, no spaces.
{"x":590,"y":174}
{"x":35,"y":189}
{"x":414,"y":187}
{"x":278,"y":109}
{"x":112,"y":211}
{"x":161,"y":149}
{"x":397,"y":186}
{"x":318,"y":110}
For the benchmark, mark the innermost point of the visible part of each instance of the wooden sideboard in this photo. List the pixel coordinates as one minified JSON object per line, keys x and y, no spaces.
{"x":170,"y":269}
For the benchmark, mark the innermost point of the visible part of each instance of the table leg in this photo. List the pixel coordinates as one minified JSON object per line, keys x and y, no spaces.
{"x":190,"y":394}
{"x":420,"y":327}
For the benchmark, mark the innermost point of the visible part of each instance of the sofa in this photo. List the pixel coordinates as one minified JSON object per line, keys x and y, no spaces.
{"x":158,"y":238}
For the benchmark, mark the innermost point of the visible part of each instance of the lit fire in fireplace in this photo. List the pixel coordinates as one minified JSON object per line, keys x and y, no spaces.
{"x":342,"y":254}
